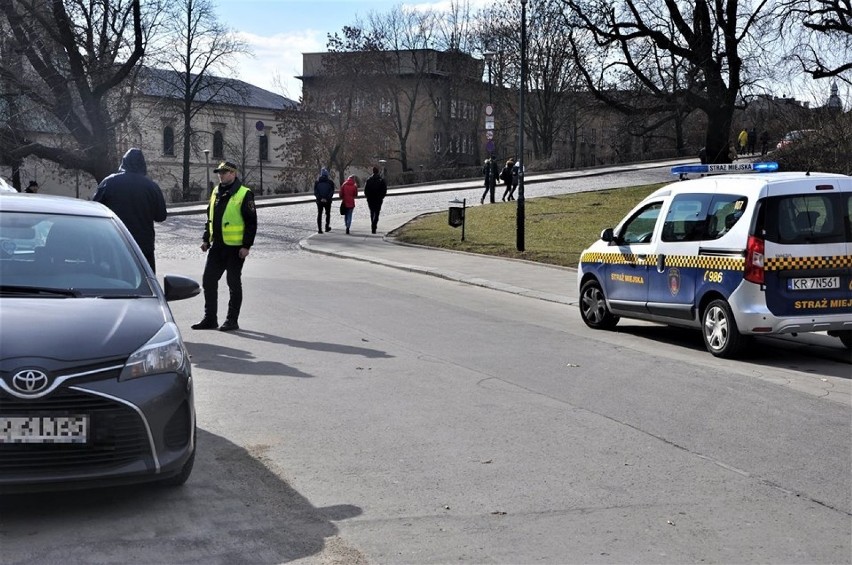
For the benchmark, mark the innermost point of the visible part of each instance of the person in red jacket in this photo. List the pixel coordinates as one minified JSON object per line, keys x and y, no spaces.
{"x":348,"y":194}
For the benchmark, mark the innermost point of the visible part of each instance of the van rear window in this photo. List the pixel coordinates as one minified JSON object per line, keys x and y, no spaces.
{"x":805,"y":219}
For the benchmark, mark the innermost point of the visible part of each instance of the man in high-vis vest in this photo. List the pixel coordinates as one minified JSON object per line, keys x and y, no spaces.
{"x":228,"y":235}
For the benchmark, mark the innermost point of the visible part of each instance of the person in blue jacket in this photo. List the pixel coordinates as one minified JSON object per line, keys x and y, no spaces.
{"x":136,"y":200}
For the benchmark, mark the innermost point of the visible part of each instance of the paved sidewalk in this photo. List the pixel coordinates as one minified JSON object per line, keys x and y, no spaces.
{"x":554,"y":284}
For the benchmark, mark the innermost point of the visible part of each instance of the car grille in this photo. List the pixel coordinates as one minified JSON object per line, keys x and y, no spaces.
{"x":116,"y":436}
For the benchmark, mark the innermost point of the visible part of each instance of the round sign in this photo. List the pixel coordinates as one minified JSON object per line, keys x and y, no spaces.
{"x":259,"y":125}
{"x":490,"y":146}
{"x":489,"y":134}
{"x":489,"y":110}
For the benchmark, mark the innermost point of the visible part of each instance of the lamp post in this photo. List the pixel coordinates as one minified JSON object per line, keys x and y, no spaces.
{"x":521,"y":204}
{"x":207,"y":167}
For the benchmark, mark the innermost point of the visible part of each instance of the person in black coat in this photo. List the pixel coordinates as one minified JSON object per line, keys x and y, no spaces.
{"x":324,"y":193}
{"x":136,"y":200}
{"x":375,"y":191}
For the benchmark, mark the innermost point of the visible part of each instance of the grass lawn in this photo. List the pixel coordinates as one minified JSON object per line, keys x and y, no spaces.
{"x":556,"y":230}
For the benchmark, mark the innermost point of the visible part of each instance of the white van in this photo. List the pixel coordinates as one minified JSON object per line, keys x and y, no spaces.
{"x":734,"y":255}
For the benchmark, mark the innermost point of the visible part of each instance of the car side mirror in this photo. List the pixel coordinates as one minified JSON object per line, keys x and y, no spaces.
{"x":607,"y":235}
{"x":176,"y":287}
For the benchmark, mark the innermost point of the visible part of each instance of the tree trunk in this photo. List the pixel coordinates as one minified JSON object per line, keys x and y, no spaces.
{"x":717,"y":142}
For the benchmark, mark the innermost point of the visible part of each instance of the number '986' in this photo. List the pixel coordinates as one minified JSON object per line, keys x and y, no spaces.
{"x":713,"y":276}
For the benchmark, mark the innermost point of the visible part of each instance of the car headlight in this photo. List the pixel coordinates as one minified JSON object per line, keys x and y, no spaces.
{"x":164,"y":353}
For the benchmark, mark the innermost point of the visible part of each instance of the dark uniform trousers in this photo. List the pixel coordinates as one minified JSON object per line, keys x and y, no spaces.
{"x":223,"y":258}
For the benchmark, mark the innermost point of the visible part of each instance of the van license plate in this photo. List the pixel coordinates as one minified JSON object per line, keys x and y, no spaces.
{"x":44,"y":429}
{"x":813,"y":283}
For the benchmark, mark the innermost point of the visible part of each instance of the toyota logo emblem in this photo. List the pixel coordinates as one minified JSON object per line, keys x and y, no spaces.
{"x":30,"y":381}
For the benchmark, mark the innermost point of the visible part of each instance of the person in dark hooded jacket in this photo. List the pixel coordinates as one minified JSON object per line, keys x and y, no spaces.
{"x":135,"y":199}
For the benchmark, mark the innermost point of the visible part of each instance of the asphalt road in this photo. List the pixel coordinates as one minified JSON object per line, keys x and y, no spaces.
{"x":373,"y":415}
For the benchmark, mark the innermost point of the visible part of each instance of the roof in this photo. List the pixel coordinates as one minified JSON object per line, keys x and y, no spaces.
{"x":161,"y":83}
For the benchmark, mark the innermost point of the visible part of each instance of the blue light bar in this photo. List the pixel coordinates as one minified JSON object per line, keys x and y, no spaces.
{"x":763,"y":167}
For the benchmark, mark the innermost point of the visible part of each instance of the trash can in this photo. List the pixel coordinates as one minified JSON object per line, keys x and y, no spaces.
{"x":456,"y":217}
{"x":456,"y":214}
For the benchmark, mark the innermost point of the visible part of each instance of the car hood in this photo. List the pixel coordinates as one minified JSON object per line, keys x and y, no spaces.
{"x":77,"y":328}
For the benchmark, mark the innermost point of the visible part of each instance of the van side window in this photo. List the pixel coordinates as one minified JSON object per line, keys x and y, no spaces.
{"x":686,"y":219}
{"x":725,"y":211}
{"x":803,"y":219}
{"x":640,"y":227}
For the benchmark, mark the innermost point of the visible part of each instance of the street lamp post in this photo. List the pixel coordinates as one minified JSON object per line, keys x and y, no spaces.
{"x":207,"y":167}
{"x":521,"y":204}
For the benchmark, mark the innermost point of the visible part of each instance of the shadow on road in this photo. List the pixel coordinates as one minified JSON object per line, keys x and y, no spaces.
{"x":812,"y":353}
{"x":233,"y":509}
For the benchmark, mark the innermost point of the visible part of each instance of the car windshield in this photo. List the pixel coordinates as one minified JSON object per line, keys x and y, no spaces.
{"x":49,"y":255}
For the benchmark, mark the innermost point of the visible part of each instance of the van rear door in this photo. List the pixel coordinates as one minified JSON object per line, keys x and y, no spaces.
{"x":807,"y":265}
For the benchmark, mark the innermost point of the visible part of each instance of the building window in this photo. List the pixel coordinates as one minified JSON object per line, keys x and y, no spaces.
{"x":263,"y":148}
{"x":436,"y":143}
{"x":437,"y":107}
{"x":168,"y":141}
{"x":385,"y":107}
{"x":218,"y":146}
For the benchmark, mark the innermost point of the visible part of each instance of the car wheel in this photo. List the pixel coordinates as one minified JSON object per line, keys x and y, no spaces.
{"x":846,"y":338}
{"x":183,"y":476}
{"x":719,"y":328}
{"x":593,"y":307}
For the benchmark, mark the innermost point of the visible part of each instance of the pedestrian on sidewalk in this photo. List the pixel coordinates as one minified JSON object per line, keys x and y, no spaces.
{"x":136,"y":200}
{"x":228,"y":235}
{"x":506,"y":177}
{"x":324,"y":194}
{"x":348,"y":194}
{"x":490,"y":171}
{"x":375,"y":191}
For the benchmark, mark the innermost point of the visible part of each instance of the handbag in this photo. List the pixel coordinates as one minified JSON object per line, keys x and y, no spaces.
{"x":342,"y":209}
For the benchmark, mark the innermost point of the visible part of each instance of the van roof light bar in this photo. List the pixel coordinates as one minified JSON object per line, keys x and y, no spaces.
{"x":760,"y":167}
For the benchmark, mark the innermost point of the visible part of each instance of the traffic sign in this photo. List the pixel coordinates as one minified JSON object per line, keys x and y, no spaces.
{"x":259,"y":125}
{"x":489,"y":122}
{"x":489,"y":110}
{"x":490,"y":146}
{"x":489,"y":134}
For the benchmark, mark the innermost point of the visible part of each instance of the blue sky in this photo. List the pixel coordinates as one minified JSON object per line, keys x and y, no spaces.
{"x":279,"y":31}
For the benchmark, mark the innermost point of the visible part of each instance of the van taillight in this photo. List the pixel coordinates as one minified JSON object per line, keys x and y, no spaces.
{"x":754,"y":260}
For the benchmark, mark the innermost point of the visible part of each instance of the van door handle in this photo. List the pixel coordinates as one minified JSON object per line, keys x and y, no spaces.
{"x":661,"y":263}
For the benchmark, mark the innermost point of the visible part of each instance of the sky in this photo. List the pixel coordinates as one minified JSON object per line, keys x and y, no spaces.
{"x":279,"y":31}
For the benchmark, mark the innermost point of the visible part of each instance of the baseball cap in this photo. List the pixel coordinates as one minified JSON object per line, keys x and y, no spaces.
{"x":225,"y":166}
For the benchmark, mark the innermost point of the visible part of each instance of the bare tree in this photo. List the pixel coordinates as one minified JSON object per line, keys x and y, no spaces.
{"x":706,"y":40}
{"x":74,"y":61}
{"x":197,"y":49}
{"x":823,"y":46}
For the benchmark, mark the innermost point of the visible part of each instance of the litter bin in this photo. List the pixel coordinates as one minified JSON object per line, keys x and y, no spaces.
{"x":456,"y":214}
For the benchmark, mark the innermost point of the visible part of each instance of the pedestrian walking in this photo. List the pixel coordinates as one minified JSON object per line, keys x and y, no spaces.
{"x":491,"y":170}
{"x":506,"y":177}
{"x":228,"y":236}
{"x":348,"y":194}
{"x":32,"y":188}
{"x":742,"y":141}
{"x":324,"y":194}
{"x":136,"y":200}
{"x":375,"y":190}
{"x":752,"y":141}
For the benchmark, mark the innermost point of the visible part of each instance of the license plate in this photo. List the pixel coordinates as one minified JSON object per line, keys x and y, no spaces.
{"x":44,"y":429}
{"x":813,"y":283}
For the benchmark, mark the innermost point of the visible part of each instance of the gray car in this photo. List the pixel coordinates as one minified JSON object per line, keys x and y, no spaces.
{"x":95,"y":381}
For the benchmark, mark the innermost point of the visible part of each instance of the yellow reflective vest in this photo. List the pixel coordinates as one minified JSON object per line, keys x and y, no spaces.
{"x":233,"y":225}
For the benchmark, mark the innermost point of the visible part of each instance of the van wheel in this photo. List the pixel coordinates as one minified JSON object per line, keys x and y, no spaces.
{"x":719,"y":328}
{"x":593,"y":308}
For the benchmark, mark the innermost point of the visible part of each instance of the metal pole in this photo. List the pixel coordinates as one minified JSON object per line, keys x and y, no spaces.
{"x":207,"y":167}
{"x":260,"y":160}
{"x":521,"y":204}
